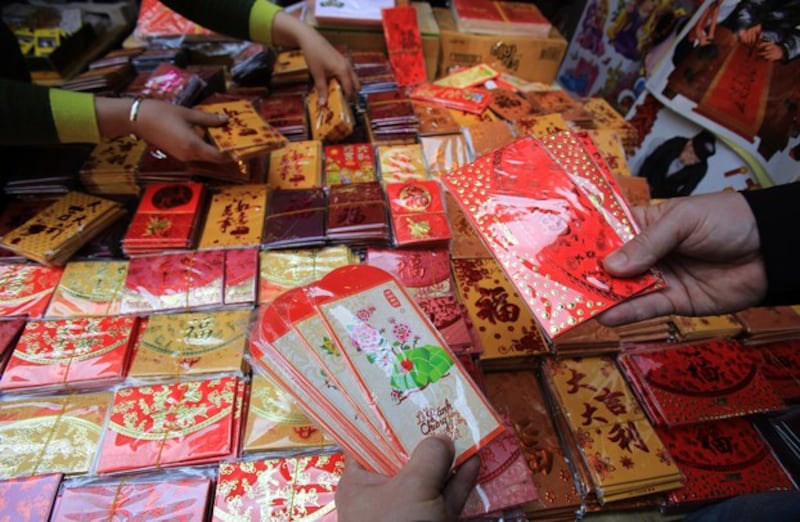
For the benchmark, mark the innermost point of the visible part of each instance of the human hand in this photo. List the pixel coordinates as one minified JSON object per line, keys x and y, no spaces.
{"x":708,"y":248}
{"x":421,"y":491}
{"x":750,"y":35}
{"x":770,"y":51}
{"x":176,"y":130}
{"x":322,"y":59}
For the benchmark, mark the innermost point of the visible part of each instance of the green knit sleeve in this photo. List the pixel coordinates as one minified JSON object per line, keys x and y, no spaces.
{"x":245,"y":19}
{"x":35,"y":115}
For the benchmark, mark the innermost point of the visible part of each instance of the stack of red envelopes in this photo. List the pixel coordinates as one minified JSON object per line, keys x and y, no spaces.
{"x":697,"y":382}
{"x":361,"y":360}
{"x":161,"y":425}
{"x":549,"y":229}
{"x":167,"y":218}
{"x":418,"y":215}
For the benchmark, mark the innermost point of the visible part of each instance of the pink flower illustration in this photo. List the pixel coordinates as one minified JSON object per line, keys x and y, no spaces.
{"x":401,"y":332}
{"x":365,"y":337}
{"x":365,"y":313}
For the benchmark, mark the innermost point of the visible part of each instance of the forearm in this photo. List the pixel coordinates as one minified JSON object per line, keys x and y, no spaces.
{"x":775,"y":209}
{"x":244,"y":19}
{"x":35,"y":115}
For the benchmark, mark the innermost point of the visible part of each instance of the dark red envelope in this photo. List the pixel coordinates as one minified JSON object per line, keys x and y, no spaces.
{"x":165,"y":500}
{"x":404,"y":44}
{"x":9,"y":333}
{"x":697,"y":382}
{"x":722,"y":459}
{"x":780,"y":364}
{"x":545,"y":232}
{"x":355,"y":193}
{"x":28,"y":499}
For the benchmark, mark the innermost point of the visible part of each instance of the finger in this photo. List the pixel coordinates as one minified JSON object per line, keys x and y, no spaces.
{"x":638,"y":309}
{"x":429,"y":465}
{"x":344,"y":77}
{"x":201,"y":151}
{"x":205,"y":119}
{"x":460,"y":486}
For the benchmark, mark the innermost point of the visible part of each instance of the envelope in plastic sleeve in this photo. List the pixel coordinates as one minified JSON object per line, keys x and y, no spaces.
{"x":406,"y":367}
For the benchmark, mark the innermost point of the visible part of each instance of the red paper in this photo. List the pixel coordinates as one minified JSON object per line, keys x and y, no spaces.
{"x":404,"y":45}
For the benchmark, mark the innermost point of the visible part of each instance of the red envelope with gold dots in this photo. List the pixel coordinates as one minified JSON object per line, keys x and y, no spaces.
{"x":545,"y":232}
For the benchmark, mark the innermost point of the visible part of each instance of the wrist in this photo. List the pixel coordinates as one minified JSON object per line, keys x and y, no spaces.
{"x":114,"y":116}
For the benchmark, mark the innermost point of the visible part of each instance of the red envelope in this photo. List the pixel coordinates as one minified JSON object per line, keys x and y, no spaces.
{"x":546,"y":234}
{"x":404,"y":45}
{"x":25,"y":290}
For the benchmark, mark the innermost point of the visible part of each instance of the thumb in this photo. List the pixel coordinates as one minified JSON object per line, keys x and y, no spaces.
{"x":461,"y":485}
{"x":320,"y":84}
{"x":205,"y":119}
{"x":430,"y":464}
{"x":663,"y":235}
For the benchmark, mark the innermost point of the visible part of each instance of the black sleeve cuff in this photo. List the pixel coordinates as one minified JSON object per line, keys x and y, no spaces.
{"x":777,"y":210}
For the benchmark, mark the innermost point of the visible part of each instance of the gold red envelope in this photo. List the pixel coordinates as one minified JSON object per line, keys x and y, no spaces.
{"x":89,"y":288}
{"x":173,"y":498}
{"x":281,"y":270}
{"x":170,"y":424}
{"x":174,"y":282}
{"x":622,"y":451}
{"x":58,"y":231}
{"x":469,"y":77}
{"x":501,"y":319}
{"x":290,"y":489}
{"x":399,"y":163}
{"x":485,"y":137}
{"x":444,"y":154}
{"x":245,"y":134}
{"x":25,"y":290}
{"x":350,"y":163}
{"x":275,"y":421}
{"x":235,"y":217}
{"x":191,"y":343}
{"x":241,"y":276}
{"x":541,"y":126}
{"x":333,"y":121}
{"x":465,"y":119}
{"x":298,"y":165}
{"x":112,"y":166}
{"x":70,"y":353}
{"x":610,"y":145}
{"x":466,"y":243}
{"x":51,"y":434}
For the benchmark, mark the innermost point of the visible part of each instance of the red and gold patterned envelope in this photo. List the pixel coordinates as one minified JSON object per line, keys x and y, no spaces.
{"x":174,"y":282}
{"x":465,"y":119}
{"x":401,"y":362}
{"x":509,"y":105}
{"x":722,"y":459}
{"x":169,"y":424}
{"x":504,"y":480}
{"x":25,"y":290}
{"x":518,"y":396}
{"x":434,"y":119}
{"x":281,"y":270}
{"x":698,"y":382}
{"x":241,"y":276}
{"x":350,"y":163}
{"x":399,"y":163}
{"x":89,"y":288}
{"x":557,"y":270}
{"x":62,"y":228}
{"x":235,"y":217}
{"x":164,"y":500}
{"x":333,"y":121}
{"x":165,"y":217}
{"x":610,"y":145}
{"x":275,"y":421}
{"x":70,"y":353}
{"x":503,"y":323}
{"x":466,"y":243}
{"x":191,"y":343}
{"x":485,"y":137}
{"x":619,"y":446}
{"x":469,"y":100}
{"x":469,"y":77}
{"x":290,"y":489}
{"x":246,"y":133}
{"x":51,"y":434}
{"x":444,"y":154}
{"x":30,"y":499}
{"x":298,"y":165}
{"x":417,"y":213}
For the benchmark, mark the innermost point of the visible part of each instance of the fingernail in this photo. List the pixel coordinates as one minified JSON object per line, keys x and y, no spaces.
{"x":616,"y":260}
{"x":222,"y":117}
